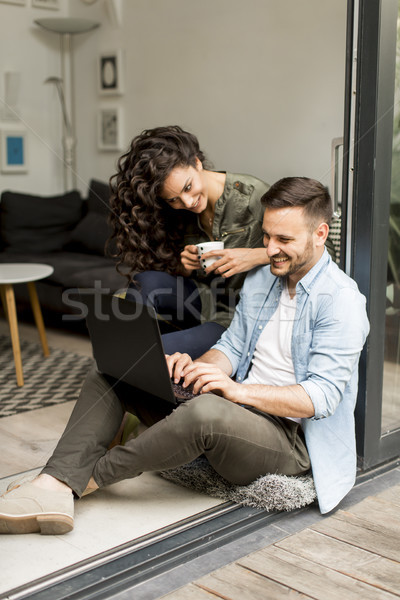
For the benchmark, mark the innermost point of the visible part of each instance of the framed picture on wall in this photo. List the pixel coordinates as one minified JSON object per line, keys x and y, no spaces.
{"x":13,"y":150}
{"x":110,"y":73}
{"x":20,"y":2}
{"x":109,"y":128}
{"x":52,"y":4}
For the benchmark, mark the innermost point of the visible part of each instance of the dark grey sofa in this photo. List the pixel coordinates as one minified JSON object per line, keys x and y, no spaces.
{"x":67,"y":232}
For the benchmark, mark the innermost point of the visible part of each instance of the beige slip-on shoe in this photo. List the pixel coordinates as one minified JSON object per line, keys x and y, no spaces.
{"x":30,"y":509}
{"x":18,"y":482}
{"x":27,"y":478}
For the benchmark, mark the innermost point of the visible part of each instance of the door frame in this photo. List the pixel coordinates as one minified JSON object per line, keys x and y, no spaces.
{"x":371,"y":46}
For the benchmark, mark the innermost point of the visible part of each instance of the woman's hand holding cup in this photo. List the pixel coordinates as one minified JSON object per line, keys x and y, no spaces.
{"x":190,"y":258}
{"x":208,"y":254}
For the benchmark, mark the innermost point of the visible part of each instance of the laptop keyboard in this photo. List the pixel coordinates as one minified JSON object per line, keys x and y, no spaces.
{"x":181,"y":393}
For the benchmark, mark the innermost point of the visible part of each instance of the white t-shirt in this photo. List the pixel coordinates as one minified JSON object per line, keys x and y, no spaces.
{"x":272,"y":362}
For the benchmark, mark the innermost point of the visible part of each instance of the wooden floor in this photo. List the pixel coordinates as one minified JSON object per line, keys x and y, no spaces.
{"x":351,"y":555}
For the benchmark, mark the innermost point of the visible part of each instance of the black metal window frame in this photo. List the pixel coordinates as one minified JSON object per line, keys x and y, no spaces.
{"x":373,"y":135}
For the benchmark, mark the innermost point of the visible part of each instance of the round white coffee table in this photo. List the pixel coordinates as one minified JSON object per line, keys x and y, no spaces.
{"x":10,"y":274}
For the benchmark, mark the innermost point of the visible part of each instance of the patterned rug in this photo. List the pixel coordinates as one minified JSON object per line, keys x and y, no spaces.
{"x":52,"y":380}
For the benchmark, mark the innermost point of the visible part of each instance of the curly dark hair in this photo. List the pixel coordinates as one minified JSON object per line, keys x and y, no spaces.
{"x":147,"y":233}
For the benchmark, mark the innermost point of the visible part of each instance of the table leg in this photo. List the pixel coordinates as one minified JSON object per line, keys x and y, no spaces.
{"x":37,"y":313}
{"x":8,"y":294}
{"x":3,"y":301}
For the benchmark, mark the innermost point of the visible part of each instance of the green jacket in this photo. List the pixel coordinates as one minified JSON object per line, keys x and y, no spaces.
{"x":238,"y":223}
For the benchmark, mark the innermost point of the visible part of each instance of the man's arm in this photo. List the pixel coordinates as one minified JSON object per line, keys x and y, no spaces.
{"x":338,"y":337}
{"x":211,"y":373}
{"x":217,"y":358}
{"x":283,"y":401}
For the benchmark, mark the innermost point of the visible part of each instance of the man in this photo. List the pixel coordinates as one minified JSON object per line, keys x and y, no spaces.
{"x":275,"y":394}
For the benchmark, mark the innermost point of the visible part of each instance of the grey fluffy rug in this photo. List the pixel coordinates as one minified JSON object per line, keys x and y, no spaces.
{"x":270,"y":492}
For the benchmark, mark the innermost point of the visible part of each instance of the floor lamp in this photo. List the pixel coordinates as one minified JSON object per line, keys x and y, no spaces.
{"x":67,"y":27}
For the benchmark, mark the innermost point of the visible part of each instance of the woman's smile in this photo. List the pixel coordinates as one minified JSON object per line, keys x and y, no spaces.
{"x":196,"y":203}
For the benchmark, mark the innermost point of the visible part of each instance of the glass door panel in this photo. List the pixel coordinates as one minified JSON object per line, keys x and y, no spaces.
{"x":391,"y":372}
{"x":372,"y":219}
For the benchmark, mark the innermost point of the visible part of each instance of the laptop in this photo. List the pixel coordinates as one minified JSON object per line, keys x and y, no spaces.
{"x":127,"y":345}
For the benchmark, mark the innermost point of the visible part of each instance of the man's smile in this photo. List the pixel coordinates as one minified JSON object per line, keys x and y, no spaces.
{"x":278,"y":261}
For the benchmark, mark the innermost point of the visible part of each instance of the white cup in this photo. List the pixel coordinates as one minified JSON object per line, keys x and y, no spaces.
{"x":204,"y":247}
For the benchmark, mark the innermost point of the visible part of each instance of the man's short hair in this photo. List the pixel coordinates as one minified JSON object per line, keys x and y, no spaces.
{"x":306,"y":193}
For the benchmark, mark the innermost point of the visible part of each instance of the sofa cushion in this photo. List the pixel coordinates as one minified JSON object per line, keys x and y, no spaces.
{"x":99,"y":197}
{"x":36,"y":223}
{"x":91,"y":234}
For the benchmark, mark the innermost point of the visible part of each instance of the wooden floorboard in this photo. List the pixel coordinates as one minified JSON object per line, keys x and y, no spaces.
{"x":237,"y":583}
{"x":392,"y":495}
{"x":193,"y":592}
{"x":339,"y":556}
{"x":308,"y":577}
{"x":349,"y":555}
{"x":362,"y":533}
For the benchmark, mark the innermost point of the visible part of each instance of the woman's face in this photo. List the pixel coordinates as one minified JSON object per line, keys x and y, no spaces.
{"x":186,"y":188}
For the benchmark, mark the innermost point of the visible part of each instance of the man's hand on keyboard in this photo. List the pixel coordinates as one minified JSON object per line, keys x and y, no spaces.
{"x":207,"y":377}
{"x":177,"y":363}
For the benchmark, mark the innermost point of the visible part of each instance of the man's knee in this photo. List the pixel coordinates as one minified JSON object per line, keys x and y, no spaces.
{"x":95,"y":381}
{"x":205,"y":410}
{"x":96,"y":389}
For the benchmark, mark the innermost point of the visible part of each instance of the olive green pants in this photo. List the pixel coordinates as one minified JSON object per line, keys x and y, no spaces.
{"x":240,"y":444}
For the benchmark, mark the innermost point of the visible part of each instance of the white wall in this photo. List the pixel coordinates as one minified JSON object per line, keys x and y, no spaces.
{"x":33,"y":53}
{"x":260,"y":82}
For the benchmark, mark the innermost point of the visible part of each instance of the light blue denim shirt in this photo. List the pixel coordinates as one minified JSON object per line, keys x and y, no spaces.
{"x":329,"y":333}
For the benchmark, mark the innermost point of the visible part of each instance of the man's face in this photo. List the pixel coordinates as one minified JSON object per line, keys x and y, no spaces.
{"x":292,"y":247}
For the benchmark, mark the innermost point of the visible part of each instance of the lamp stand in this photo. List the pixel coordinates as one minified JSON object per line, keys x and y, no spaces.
{"x":66,"y":27}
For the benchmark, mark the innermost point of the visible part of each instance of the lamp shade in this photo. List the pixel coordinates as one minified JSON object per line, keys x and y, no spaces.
{"x":67,"y":25}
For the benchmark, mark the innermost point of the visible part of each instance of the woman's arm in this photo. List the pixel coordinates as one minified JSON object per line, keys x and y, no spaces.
{"x":236,"y":260}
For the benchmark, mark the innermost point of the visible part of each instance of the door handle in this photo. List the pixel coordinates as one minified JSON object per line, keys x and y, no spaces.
{"x":337,"y":143}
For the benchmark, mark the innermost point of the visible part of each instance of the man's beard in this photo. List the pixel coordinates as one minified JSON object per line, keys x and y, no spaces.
{"x":295,"y":266}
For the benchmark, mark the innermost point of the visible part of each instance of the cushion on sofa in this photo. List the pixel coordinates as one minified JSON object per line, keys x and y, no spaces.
{"x":98,"y":197}
{"x":91,"y":234}
{"x":37,"y":223}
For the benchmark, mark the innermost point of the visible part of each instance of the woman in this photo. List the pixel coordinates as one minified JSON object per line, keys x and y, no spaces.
{"x":166,"y":200}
